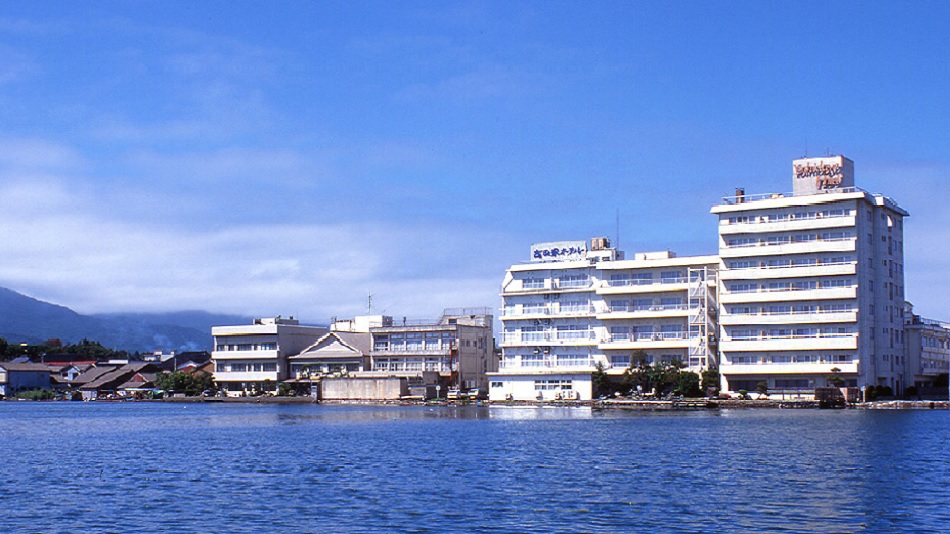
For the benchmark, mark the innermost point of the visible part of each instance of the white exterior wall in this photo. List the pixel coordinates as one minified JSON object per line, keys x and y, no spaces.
{"x":261,"y":350}
{"x":809,"y":284}
{"x":562,"y":319}
{"x":541,"y":387}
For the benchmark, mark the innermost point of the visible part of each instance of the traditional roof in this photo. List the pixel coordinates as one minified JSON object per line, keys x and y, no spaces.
{"x":337,"y":345}
{"x":12,"y":367}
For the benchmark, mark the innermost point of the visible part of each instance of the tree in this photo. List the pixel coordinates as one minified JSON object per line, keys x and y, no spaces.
{"x":600,"y":381}
{"x":688,"y":385}
{"x":710,"y":379}
{"x":659,"y":378}
{"x":834,"y":379}
{"x":181,"y":382}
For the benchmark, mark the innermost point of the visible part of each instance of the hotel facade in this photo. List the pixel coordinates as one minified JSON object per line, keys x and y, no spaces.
{"x":574,"y":309}
{"x":808,"y":285}
{"x":811,"y":284}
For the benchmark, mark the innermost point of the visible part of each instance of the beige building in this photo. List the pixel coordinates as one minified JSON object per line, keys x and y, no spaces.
{"x":249,"y":358}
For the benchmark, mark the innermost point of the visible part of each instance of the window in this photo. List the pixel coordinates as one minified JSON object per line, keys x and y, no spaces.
{"x":573,"y":280}
{"x":532,"y":283}
{"x":672,"y":277}
{"x":269,"y":367}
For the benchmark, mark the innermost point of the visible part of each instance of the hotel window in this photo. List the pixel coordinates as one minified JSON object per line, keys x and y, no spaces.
{"x":270,"y":345}
{"x":414,"y":341}
{"x":671,"y":277}
{"x":269,"y":367}
{"x":573,"y":280}
{"x":245,"y":346}
{"x":642,"y":279}
{"x":238,"y":367}
{"x":532,"y":283}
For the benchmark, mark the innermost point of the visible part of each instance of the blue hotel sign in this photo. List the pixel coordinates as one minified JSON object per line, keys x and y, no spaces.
{"x":560,"y":251}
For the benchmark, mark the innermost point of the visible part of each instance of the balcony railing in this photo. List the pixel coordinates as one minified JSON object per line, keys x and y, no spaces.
{"x":821,"y":335}
{"x":647,"y":336}
{"x":547,"y":336}
{"x":788,"y":242}
{"x":799,"y":266}
{"x":643,"y":308}
{"x":784,"y":289}
{"x":741,"y":199}
{"x":547,"y":363}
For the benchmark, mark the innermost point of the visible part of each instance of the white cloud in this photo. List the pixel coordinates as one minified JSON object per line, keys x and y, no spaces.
{"x":66,"y":252}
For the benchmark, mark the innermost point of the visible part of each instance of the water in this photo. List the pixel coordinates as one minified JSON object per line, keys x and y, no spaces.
{"x":113,"y":467}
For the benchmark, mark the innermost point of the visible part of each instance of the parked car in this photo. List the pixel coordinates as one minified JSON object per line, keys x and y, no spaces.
{"x":477,"y":394}
{"x":453,"y":394}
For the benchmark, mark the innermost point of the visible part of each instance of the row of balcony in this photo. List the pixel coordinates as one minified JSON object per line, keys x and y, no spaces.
{"x":767,"y":343}
{"x":787,"y":294}
{"x":627,"y":285}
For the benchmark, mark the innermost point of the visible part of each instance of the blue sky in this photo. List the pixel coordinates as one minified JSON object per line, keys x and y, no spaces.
{"x":293,"y":157}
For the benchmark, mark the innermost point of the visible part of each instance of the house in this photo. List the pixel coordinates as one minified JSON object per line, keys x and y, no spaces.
{"x":16,"y":377}
{"x":116,"y":379}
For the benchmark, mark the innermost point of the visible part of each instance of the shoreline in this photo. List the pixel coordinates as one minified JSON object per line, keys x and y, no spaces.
{"x":621,"y":404}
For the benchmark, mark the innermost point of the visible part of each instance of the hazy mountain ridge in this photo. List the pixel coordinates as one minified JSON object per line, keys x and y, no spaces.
{"x":24,"y":319}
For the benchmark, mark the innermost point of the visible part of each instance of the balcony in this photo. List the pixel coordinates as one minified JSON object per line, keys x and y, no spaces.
{"x":402,"y":350}
{"x":790,"y":225}
{"x":763,"y":248}
{"x":635,"y":286}
{"x":798,"y":271}
{"x":549,"y":363}
{"x":632,"y":312}
{"x":766,"y":318}
{"x":548,"y":337}
{"x":655,"y":340}
{"x":787,"y":295}
{"x":825,"y":341}
{"x":795,"y":368}
{"x":549,"y":285}
{"x":550,"y":310}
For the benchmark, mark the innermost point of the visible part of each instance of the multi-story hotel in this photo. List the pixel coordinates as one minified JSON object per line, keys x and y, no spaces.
{"x":811,"y":284}
{"x":253,"y":357}
{"x":573,"y":309}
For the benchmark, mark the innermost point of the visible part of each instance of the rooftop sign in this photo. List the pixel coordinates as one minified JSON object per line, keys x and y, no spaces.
{"x":559,"y":251}
{"x":814,"y":175}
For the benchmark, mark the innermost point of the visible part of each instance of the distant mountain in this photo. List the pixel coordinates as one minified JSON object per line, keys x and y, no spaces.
{"x":27,"y":320}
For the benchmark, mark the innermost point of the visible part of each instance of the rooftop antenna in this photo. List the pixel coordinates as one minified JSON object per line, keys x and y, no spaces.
{"x":617,"y":244}
{"x":369,"y":304}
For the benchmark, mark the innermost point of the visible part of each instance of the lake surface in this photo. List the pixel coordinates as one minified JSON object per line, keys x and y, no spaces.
{"x":124,"y":467}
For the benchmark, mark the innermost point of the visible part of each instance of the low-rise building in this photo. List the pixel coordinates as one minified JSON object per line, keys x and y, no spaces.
{"x":253,"y":358}
{"x":927,"y":345}
{"x":17,"y":377}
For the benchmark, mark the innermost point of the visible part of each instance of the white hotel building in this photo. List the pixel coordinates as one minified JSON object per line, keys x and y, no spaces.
{"x":574,"y":308}
{"x":812,"y":284}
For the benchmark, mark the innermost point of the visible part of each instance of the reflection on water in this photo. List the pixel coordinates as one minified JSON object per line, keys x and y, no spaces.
{"x":310,"y":468}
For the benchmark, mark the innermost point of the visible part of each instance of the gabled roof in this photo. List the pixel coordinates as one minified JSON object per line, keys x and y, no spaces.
{"x":118,"y":376}
{"x":93,"y":374}
{"x":337,"y":345}
{"x":24,"y":367}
